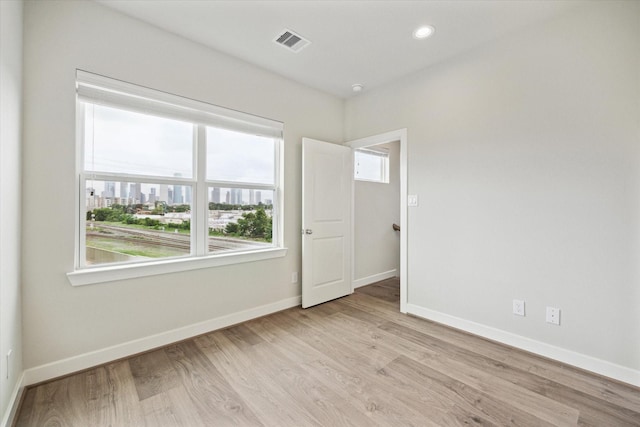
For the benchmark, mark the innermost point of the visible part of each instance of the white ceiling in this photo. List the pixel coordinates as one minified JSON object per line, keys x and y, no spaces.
{"x":367,"y":42}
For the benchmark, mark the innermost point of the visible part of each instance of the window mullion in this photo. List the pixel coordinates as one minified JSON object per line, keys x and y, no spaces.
{"x":81,"y":222}
{"x":201,"y":210}
{"x":242,"y":185}
{"x":278,"y":202}
{"x":116,"y":176}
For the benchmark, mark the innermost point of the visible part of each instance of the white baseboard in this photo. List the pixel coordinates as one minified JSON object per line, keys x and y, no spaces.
{"x":374,"y":278}
{"x":105,"y":355}
{"x":14,"y":402}
{"x":579,"y":360}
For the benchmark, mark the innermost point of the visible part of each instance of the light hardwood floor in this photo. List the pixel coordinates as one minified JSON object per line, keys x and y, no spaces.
{"x":355,"y":361}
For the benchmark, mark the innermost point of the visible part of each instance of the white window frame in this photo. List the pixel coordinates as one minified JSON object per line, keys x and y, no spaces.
{"x":384,"y":172}
{"x":96,"y":89}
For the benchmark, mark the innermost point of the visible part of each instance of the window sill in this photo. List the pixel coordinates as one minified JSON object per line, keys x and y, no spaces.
{"x":95,"y":275}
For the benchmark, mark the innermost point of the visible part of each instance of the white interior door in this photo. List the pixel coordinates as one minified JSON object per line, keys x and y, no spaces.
{"x":326,"y":221}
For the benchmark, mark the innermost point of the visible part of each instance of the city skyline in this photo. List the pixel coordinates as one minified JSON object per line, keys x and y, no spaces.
{"x":106,"y":193}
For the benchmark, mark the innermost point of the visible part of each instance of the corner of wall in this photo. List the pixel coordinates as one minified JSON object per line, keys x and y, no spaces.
{"x":11,"y":28}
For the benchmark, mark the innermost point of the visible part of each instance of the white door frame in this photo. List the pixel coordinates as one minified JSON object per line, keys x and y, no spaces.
{"x":396,"y":135}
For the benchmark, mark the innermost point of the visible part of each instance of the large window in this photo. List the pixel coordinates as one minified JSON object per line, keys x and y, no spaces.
{"x":165,"y":177}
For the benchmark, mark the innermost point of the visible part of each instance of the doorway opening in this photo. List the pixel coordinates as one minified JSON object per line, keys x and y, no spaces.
{"x":379,"y":232}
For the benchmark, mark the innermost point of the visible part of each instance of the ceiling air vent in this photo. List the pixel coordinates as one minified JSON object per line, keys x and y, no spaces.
{"x":292,"y":41}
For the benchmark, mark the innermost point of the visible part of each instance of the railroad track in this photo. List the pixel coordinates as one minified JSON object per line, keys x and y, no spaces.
{"x":159,"y":238}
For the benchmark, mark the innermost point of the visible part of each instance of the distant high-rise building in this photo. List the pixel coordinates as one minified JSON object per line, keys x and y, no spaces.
{"x":228,"y":198}
{"x":177,"y":195}
{"x":177,"y":192}
{"x":124,"y":194}
{"x":252,"y":197}
{"x":258,"y":197}
{"x":152,"y":195}
{"x":236,"y":196}
{"x":135,"y":191}
{"x":109,"y":190}
{"x":215,"y":195}
{"x":138,"y":192}
{"x":164,"y":193}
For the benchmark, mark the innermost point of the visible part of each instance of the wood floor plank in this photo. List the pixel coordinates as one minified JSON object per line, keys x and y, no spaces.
{"x":93,"y":389}
{"x":476,"y":406}
{"x":380,"y":401}
{"x":322,"y":402}
{"x":242,"y":336}
{"x":355,"y":382}
{"x":159,"y":412}
{"x":121,"y":396}
{"x":551,"y":389}
{"x":172,"y":408}
{"x":426,"y":402}
{"x":389,"y":344}
{"x":510,"y":394}
{"x":386,"y":293}
{"x":206,"y":344}
{"x":466,"y":397}
{"x":153,"y":373}
{"x":215,"y":400}
{"x":27,"y":409}
{"x":184,"y":408}
{"x":362,"y":351}
{"x":51,"y":406}
{"x":492,"y":385}
{"x":354,"y":361}
{"x":366,"y":316}
{"x":606,"y":389}
{"x":269,"y":400}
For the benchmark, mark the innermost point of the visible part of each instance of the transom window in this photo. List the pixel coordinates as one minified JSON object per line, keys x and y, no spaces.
{"x":164,"y":177}
{"x":371,"y":164}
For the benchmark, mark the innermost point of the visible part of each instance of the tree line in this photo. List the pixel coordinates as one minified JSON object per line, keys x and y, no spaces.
{"x":256,"y":225}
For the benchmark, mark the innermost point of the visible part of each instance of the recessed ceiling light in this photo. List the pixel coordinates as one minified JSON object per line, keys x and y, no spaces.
{"x":357,"y":87}
{"x":423,"y":32}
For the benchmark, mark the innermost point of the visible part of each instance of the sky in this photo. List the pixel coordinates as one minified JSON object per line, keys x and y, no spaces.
{"x":139,"y":144}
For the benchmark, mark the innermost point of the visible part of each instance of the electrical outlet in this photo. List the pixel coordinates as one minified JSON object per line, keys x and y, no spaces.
{"x":553,"y":315}
{"x":294,"y":277}
{"x":412,"y":200}
{"x":518,"y":307}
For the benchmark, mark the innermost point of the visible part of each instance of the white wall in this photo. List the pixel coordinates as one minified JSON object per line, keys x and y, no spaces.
{"x":61,"y":321}
{"x":10,"y":134}
{"x":376,"y":209}
{"x":525,"y":153}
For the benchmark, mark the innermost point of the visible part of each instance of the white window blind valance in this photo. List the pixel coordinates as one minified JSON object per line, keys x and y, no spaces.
{"x":97,"y":89}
